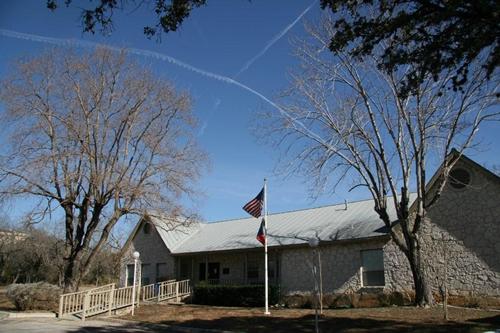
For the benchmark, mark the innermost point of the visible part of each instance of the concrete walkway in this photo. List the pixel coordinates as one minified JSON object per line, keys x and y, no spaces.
{"x":32,"y":325}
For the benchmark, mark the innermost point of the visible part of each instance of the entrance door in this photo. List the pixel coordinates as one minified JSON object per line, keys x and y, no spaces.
{"x":201,"y":272}
{"x":214,"y":271}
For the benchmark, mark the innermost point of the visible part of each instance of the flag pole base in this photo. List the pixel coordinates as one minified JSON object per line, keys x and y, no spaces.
{"x":267,"y":313}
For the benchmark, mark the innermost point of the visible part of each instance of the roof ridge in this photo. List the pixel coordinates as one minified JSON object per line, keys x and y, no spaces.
{"x":293,"y":210}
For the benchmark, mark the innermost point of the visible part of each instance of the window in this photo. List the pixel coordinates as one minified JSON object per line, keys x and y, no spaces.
{"x":270,"y":269}
{"x":213,"y":271}
{"x":201,"y":272}
{"x":253,"y":270}
{"x":185,"y":268}
{"x":372,"y":268}
{"x":161,"y":272}
{"x":459,"y":178}
{"x":145,"y":274}
{"x":225,"y":271}
{"x":130,"y":275}
{"x":146,"y":228}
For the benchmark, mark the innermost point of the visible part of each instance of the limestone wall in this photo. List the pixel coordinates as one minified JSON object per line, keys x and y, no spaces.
{"x":462,"y":240}
{"x":340,"y":265}
{"x":465,"y":234}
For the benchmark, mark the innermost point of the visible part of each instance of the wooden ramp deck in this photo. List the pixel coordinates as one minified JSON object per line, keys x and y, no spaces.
{"x":108,"y":298}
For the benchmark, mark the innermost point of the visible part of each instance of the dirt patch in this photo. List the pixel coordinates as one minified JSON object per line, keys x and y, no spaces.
{"x":390,"y":319}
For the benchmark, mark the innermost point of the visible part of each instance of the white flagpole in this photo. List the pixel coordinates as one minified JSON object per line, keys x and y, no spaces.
{"x":266,"y":282}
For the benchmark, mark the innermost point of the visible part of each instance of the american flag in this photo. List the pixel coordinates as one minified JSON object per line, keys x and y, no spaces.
{"x":261,"y":235}
{"x":254,"y":206}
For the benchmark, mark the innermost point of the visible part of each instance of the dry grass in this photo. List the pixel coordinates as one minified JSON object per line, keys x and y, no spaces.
{"x":5,"y":303}
{"x":390,"y":319}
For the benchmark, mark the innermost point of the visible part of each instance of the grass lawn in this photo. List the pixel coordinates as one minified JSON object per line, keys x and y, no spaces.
{"x":390,"y":319}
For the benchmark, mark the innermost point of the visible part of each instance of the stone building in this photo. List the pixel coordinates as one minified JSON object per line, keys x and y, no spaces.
{"x":462,"y":244}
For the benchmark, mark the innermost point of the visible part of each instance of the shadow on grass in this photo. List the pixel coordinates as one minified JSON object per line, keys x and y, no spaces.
{"x":263,"y":324}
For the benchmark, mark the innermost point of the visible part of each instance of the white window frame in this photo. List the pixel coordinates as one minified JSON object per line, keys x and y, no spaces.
{"x":362,"y":270}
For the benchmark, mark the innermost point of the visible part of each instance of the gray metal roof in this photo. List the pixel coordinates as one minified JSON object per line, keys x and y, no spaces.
{"x":327,"y":223}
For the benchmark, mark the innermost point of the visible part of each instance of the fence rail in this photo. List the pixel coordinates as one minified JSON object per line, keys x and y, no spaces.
{"x":107,"y":298}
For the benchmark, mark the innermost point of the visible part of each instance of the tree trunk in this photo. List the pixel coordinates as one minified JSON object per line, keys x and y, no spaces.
{"x":70,"y":280}
{"x":423,"y":293}
{"x":72,"y":276}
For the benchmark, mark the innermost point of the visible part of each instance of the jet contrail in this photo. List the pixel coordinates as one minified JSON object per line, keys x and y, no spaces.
{"x":154,"y":55}
{"x":273,"y":40}
{"x":135,"y":51}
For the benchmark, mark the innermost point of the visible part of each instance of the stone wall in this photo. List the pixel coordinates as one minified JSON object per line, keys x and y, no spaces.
{"x":152,"y":251}
{"x":340,"y":265}
{"x":461,"y":246}
{"x":464,"y":234}
{"x":461,"y":236}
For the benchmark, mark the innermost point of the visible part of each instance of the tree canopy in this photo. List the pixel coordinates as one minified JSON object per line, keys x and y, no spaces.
{"x":432,"y":36}
{"x":94,"y":138}
{"x":169,"y":14}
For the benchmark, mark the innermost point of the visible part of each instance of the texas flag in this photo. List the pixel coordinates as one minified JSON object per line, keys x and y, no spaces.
{"x":261,"y":235}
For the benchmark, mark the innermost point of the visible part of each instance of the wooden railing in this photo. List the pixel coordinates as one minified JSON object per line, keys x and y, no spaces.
{"x":123,"y":297}
{"x":106,"y":298}
{"x":154,"y":290}
{"x":183,"y":288}
{"x":71,"y":303}
{"x":102,"y":288}
{"x":225,"y":282}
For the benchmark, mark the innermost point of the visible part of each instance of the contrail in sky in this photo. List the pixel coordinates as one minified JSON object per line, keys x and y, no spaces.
{"x":154,"y":55}
{"x":135,"y":51}
{"x":273,"y":41}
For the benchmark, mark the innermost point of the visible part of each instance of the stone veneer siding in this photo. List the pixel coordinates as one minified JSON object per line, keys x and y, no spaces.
{"x":340,"y":266}
{"x":152,"y":251}
{"x":461,"y":240}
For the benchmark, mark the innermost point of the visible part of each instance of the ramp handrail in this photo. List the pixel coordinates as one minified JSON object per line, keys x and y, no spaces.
{"x":106,"y":298}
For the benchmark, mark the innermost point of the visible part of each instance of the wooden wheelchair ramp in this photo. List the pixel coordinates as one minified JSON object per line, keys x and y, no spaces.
{"x":108,"y":298}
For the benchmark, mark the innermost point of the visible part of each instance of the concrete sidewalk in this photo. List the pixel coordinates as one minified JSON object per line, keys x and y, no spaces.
{"x":32,"y":325}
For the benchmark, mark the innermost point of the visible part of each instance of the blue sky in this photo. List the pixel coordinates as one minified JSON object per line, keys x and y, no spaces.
{"x":219,"y":38}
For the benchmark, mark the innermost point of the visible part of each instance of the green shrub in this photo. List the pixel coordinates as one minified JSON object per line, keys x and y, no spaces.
{"x":242,"y":295}
{"x":34,"y":296}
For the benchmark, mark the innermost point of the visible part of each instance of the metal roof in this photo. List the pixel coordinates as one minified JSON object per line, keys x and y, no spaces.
{"x":328,"y":223}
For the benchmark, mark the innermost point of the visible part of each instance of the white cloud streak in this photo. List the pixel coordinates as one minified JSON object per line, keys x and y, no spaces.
{"x":273,"y":41}
{"x":68,"y":42}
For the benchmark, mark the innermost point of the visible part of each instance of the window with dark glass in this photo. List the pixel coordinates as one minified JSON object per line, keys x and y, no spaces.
{"x":202,"y":272}
{"x":130,"y":275}
{"x":161,"y":271}
{"x":146,"y":228}
{"x":253,"y":270}
{"x":459,"y":178}
{"x":372,"y":268}
{"x":270,"y":269}
{"x":145,"y":274}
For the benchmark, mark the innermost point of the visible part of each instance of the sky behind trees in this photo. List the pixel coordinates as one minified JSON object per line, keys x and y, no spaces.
{"x":247,"y":42}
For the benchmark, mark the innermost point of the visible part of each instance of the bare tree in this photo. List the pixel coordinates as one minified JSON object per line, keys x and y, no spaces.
{"x":343,"y":119}
{"x":95,"y":137}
